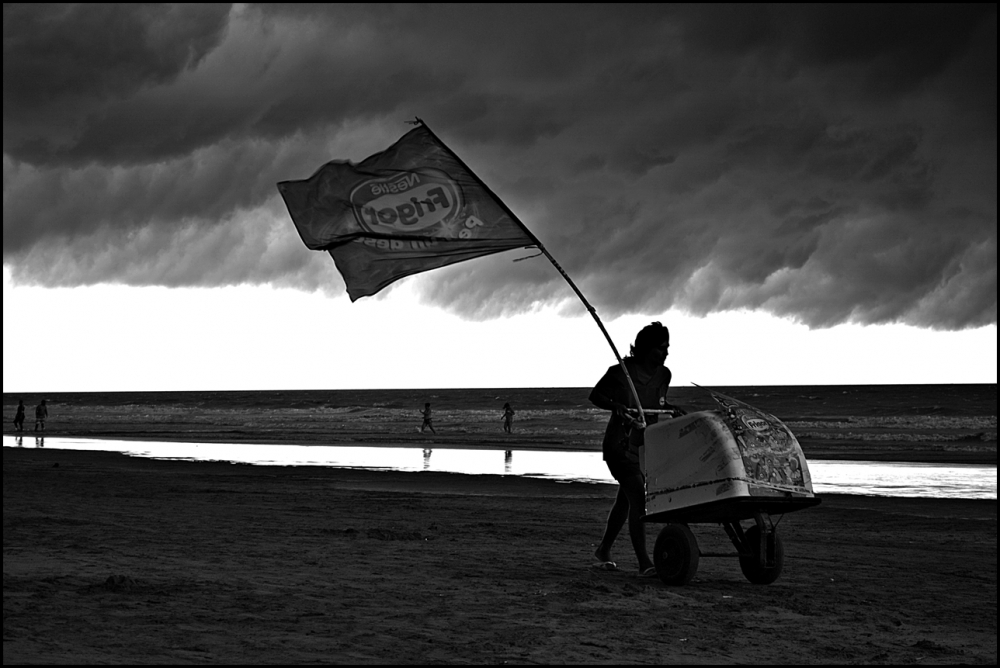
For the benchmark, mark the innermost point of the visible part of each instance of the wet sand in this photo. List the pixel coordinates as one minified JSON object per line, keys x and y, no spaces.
{"x":111,"y":559}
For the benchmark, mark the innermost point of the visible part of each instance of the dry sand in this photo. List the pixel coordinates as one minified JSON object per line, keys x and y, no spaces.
{"x":110,"y":559}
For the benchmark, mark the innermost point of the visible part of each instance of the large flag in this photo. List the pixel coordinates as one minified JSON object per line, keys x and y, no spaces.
{"x":410,"y":208}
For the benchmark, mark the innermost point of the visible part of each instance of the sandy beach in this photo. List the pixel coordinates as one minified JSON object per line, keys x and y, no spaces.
{"x":111,"y":559}
{"x":323,"y":323}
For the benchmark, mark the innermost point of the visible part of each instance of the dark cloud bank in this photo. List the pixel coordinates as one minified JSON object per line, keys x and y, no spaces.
{"x":829,"y":164}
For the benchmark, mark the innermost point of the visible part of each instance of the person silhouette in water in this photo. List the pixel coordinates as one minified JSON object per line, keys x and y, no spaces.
{"x":19,"y":416}
{"x":427,"y":419}
{"x":508,"y":418}
{"x":41,"y":414}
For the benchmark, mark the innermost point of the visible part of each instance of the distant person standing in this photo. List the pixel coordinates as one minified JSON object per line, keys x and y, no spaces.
{"x":19,"y":416}
{"x":508,"y":418}
{"x":41,"y":414}
{"x":427,"y":419}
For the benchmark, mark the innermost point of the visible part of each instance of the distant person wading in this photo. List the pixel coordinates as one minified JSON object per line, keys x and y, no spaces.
{"x":427,"y":424}
{"x":19,"y":416}
{"x":508,"y":418}
{"x":41,"y":414}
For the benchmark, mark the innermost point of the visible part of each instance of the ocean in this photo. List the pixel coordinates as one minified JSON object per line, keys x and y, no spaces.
{"x":787,"y":402}
{"x":920,"y":423}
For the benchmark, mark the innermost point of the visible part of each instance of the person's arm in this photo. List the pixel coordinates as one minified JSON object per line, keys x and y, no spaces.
{"x":601,"y":400}
{"x":607,"y":394}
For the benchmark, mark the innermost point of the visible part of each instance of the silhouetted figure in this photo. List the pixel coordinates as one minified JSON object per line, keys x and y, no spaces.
{"x":40,"y":442}
{"x":427,"y":459}
{"x":41,"y":414}
{"x":19,"y":441}
{"x":427,"y":419}
{"x":624,"y":436}
{"x":19,"y":416}
{"x":508,"y":418}
{"x":508,"y":460}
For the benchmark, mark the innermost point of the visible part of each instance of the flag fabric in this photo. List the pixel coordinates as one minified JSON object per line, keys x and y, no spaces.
{"x":410,"y":208}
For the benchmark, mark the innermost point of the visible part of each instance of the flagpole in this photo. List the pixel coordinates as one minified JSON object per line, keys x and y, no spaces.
{"x":562,"y":272}
{"x":593,"y":312}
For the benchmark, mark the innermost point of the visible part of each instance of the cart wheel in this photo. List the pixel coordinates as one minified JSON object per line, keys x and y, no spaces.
{"x":755,"y":571}
{"x":676,"y":554}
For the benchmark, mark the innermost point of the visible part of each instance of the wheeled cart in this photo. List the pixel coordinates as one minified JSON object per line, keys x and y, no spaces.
{"x":723,"y":467}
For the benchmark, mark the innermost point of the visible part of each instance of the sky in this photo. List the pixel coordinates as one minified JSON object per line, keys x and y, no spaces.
{"x":803,"y":194}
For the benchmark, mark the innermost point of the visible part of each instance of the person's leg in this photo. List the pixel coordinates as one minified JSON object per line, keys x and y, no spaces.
{"x":633,"y":486}
{"x":616,"y":520}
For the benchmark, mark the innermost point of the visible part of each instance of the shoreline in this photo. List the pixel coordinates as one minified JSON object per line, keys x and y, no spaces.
{"x":822,"y":450}
{"x":110,"y":558}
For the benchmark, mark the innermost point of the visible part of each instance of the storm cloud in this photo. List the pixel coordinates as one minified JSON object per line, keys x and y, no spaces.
{"x":827,"y":164}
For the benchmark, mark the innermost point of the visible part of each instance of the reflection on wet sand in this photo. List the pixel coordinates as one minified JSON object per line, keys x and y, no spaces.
{"x":845,"y":477}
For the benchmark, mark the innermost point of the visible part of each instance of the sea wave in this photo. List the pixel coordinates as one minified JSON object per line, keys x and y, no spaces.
{"x":903,"y":437}
{"x":973,"y":422}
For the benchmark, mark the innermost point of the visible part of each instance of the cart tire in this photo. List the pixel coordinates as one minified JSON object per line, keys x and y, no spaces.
{"x":756,"y":572}
{"x":676,"y":554}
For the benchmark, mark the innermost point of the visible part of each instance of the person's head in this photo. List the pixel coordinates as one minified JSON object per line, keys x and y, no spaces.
{"x":427,"y":405}
{"x":651,"y":344}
